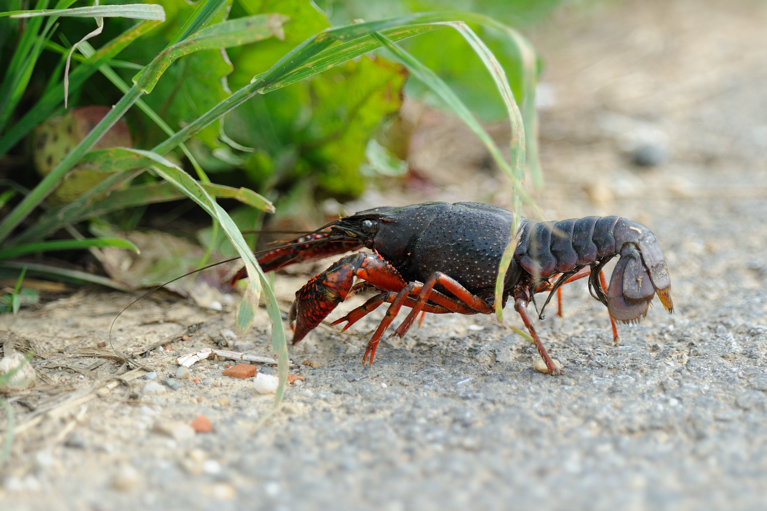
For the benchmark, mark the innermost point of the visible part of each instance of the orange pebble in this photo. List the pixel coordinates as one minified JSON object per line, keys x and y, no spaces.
{"x":241,"y":371}
{"x":202,"y":424}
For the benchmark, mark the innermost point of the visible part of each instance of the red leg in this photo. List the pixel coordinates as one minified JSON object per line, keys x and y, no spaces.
{"x":582,"y":273}
{"x":386,"y":297}
{"x":475,"y":303}
{"x":603,"y":282}
{"x":520,"y":305}
{"x":463,"y":298}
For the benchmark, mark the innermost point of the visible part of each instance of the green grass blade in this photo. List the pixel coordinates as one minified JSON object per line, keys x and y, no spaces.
{"x":134,"y":11}
{"x":62,"y":274}
{"x":315,"y":55}
{"x":515,"y":170}
{"x":221,"y":35}
{"x":454,"y":103}
{"x":201,"y":17}
{"x":118,"y":82}
{"x":55,"y":96}
{"x":48,"y":183}
{"x":22,"y":63}
{"x":257,"y":282}
{"x":6,"y":196}
{"x":49,"y":246}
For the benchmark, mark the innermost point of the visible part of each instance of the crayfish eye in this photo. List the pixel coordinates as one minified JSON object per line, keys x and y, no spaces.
{"x":369,"y":227}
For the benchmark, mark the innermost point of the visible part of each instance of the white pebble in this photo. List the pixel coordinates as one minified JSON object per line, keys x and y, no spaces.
{"x":265,"y":383}
{"x":211,"y":467}
{"x":151,"y":375}
{"x":126,"y":478}
{"x":182,"y":373}
{"x":541,"y":367}
{"x":152,"y":387}
{"x":178,"y":431}
{"x":147,"y":411}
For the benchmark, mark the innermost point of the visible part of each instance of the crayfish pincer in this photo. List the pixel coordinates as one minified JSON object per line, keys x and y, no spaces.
{"x":440,"y":258}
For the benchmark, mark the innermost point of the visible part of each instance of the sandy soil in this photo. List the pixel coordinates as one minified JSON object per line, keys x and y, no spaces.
{"x":454,"y":415}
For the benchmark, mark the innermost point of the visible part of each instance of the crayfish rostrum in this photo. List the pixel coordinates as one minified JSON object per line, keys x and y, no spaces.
{"x":439,"y":258}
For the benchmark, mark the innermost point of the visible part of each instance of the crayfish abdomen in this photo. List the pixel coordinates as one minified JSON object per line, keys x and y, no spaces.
{"x":439,"y":258}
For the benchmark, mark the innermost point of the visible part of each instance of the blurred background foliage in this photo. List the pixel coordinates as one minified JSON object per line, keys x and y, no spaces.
{"x":317,"y":130}
{"x":328,"y":136}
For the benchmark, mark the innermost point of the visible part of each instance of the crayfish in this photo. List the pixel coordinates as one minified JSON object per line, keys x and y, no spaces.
{"x":439,"y":258}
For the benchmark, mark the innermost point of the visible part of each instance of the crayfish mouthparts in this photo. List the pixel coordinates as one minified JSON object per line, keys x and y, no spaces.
{"x":441,"y":258}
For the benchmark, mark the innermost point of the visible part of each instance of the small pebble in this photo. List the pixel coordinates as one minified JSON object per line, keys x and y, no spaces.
{"x":147,"y":411}
{"x":311,"y":363}
{"x":649,"y":155}
{"x":211,"y":467}
{"x":293,"y":378}
{"x":198,"y":455}
{"x":182,"y":373}
{"x":244,"y":346}
{"x":202,"y":425}
{"x":228,"y":336}
{"x":175,"y":430}
{"x":223,"y":491}
{"x":150,"y":376}
{"x":152,"y":387}
{"x":265,"y":384}
{"x":541,"y":367}
{"x":126,"y":478}
{"x":241,"y":371}
{"x":172,"y":383}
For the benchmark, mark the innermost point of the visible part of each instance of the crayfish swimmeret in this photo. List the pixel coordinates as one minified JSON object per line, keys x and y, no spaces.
{"x":439,"y":258}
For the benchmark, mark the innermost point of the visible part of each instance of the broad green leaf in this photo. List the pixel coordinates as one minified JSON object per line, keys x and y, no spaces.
{"x":347,"y":106}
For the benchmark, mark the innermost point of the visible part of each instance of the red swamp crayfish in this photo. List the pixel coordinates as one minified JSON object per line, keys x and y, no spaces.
{"x":439,"y":258}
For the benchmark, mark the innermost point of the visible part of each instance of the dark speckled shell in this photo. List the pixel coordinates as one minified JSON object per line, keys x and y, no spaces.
{"x":463,"y":240}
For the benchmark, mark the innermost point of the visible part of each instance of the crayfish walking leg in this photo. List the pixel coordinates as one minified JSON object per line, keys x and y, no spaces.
{"x":520,"y":305}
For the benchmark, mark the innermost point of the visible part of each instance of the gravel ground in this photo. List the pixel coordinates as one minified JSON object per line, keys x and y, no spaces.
{"x":454,"y":416}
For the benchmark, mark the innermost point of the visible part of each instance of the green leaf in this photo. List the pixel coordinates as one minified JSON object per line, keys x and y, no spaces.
{"x":347,"y":106}
{"x":196,"y":84}
{"x":305,"y":21}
